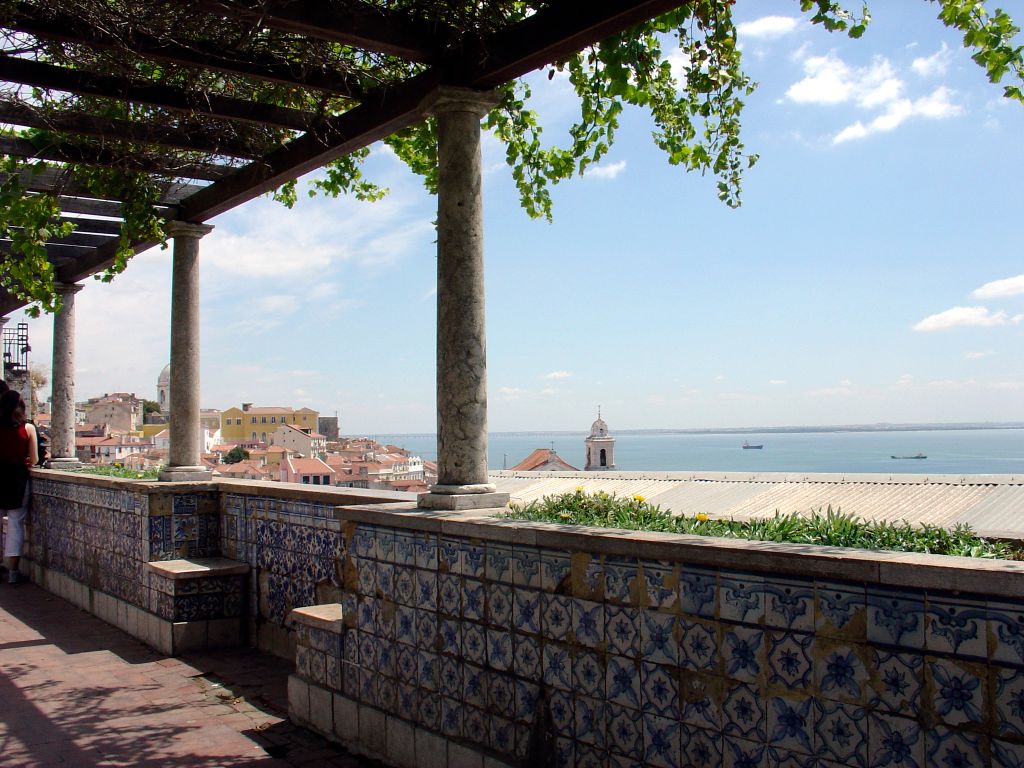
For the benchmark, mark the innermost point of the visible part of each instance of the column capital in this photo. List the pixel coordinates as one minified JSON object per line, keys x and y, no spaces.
{"x":187,"y":229}
{"x":452,"y":98}
{"x":67,"y":289}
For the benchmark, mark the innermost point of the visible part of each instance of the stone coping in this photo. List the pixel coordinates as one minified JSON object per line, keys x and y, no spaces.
{"x":777,"y":477}
{"x":197,"y":568}
{"x":326,"y":616}
{"x":290,"y":491}
{"x":996,"y":578}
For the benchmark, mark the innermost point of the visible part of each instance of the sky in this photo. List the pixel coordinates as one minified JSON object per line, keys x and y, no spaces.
{"x":875,"y":272}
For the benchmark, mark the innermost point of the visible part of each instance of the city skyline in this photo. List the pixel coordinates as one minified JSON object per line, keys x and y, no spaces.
{"x":872,"y":274}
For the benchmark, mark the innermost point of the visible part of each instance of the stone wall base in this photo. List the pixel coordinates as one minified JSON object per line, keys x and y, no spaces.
{"x":368,"y":731}
{"x":170,"y":638}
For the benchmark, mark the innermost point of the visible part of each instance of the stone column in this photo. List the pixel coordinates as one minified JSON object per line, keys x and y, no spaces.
{"x":62,"y":383}
{"x":461,"y":338}
{"x":183,"y":462}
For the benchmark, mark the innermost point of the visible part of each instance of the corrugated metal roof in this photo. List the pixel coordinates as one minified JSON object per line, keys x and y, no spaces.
{"x":989,"y":503}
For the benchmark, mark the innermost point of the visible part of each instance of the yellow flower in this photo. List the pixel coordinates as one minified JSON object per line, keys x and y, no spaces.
{"x":579,"y":489}
{"x":702,"y":517}
{"x":638,"y":498}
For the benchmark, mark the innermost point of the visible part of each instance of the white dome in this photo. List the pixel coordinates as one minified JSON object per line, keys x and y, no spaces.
{"x":599,"y":428}
{"x":164,"y":379}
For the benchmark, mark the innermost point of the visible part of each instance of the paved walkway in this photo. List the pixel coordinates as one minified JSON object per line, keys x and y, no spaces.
{"x":75,"y":691}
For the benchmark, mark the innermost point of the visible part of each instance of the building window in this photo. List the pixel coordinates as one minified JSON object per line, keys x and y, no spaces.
{"x":263,"y":419}
{"x":254,"y":437}
{"x":253,"y":419}
{"x":238,"y":421}
{"x":327,"y":479}
{"x":316,"y":479}
{"x":264,"y":438}
{"x":273,"y":419}
{"x":305,"y":479}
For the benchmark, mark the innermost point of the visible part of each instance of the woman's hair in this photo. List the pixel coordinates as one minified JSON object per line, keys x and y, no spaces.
{"x":12,"y":409}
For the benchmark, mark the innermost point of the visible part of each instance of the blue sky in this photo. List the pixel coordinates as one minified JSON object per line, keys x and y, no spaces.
{"x":874,"y":273}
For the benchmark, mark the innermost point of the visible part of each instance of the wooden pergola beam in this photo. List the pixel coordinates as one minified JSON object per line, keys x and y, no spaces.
{"x":99,"y":156}
{"x":195,"y":54}
{"x":146,"y":134}
{"x":356,"y":24}
{"x":84,"y":83}
{"x":56,"y":180}
{"x":99,"y":226}
{"x":65,"y":253}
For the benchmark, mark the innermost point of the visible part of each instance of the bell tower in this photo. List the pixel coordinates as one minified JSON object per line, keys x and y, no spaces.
{"x":600,"y":447}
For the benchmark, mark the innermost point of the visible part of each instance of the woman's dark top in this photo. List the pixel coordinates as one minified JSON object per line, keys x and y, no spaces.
{"x":14,"y":455}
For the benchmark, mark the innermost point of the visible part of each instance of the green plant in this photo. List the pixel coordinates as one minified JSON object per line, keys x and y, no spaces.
{"x":116,"y":470}
{"x":824,"y":527}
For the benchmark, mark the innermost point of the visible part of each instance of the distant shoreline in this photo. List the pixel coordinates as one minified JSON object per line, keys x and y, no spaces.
{"x":763,"y":430}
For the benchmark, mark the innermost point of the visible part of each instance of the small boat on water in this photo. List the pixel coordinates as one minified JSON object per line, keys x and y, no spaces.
{"x":748,"y":446}
{"x":915,"y":456}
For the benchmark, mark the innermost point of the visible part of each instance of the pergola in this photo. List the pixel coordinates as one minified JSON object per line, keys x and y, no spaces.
{"x":451,"y":65}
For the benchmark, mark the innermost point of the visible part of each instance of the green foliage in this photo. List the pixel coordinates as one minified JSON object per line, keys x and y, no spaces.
{"x":150,"y":406}
{"x":827,"y":527}
{"x":116,"y":470}
{"x":235,"y":455}
{"x":991,"y":37}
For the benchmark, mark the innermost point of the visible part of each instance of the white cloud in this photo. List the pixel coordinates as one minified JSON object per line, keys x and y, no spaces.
{"x":777,"y":382}
{"x":281,"y":303}
{"x":977,"y":317}
{"x":767,"y":27}
{"x":1000,"y":289}
{"x":936,"y":106}
{"x":845,"y":389}
{"x":557,"y":375}
{"x":980,"y":354}
{"x":609,"y":171}
{"x":934,"y":65}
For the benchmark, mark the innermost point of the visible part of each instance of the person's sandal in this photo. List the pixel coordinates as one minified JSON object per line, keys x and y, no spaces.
{"x":15,"y":576}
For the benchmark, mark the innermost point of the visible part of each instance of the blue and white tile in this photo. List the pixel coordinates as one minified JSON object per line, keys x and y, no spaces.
{"x":743,"y":753}
{"x":1009,"y":702}
{"x":896,"y":686}
{"x":895,"y":742}
{"x":499,"y":649}
{"x":502,"y":735}
{"x":499,"y":605}
{"x":661,"y":581}
{"x":369,"y":683}
{"x":426,"y":589}
{"x":591,"y":757}
{"x":429,"y":711}
{"x":701,"y":703}
{"x":789,"y":604}
{"x":658,"y":642}
{"x":588,"y":623}
{"x":526,"y":610}
{"x":1007,"y":755}
{"x":661,"y":742}
{"x":841,"y":733}
{"x":385,"y":544}
{"x":473,"y":600}
{"x":554,"y":569}
{"x":700,"y":747}
{"x":557,"y":666}
{"x":501,"y":695}
{"x":387,"y":694}
{"x":743,"y":652}
{"x":790,"y":659}
{"x":556,"y":621}
{"x":406,"y":663}
{"x":405,"y":585}
{"x":1006,"y":623}
{"x":449,"y":554}
{"x":791,"y":723}
{"x":449,"y":594}
{"x":405,"y":625}
{"x":474,"y":643}
{"x":405,"y":548}
{"x":619,"y":575}
{"x":622,"y":630}
{"x":958,"y":691}
{"x":471,"y":561}
{"x":560,"y":708}
{"x":841,"y":608}
{"x":367,"y":651}
{"x":450,"y":631}
{"x":387,"y":653}
{"x":953,"y":749}
{"x":698,"y":591}
{"x":408,"y":702}
{"x":565,"y":753}
{"x":698,"y":645}
{"x":957,"y":626}
{"x":525,"y":566}
{"x":427,"y":666}
{"x":895,"y":617}
{"x":451,"y":717}
{"x":622,"y":682}
{"x":526,"y":697}
{"x":426,"y":630}
{"x":589,"y":674}
{"x":364,"y":543}
{"x":498,"y":564}
{"x":741,"y":597}
{"x":474,"y":685}
{"x":366,"y":574}
{"x":590,"y":719}
{"x":426,"y":550}
{"x":527,"y":661}
{"x":743,"y":713}
{"x":659,"y":690}
{"x":625,"y":732}
{"x":841,"y":674}
{"x":474,"y":724}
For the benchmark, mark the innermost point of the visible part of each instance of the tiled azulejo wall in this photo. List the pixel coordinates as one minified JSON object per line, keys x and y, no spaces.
{"x":609,"y":660}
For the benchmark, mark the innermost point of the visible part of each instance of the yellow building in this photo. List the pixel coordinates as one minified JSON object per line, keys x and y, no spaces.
{"x":256,"y":424}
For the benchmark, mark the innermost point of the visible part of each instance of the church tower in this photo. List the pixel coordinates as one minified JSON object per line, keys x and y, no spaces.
{"x":600,"y":447}
{"x":163,"y":391}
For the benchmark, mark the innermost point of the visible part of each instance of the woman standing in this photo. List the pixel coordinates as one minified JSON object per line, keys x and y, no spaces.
{"x":18,"y":452}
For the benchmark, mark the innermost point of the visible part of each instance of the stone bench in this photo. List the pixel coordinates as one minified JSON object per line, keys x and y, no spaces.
{"x":201,"y":599}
